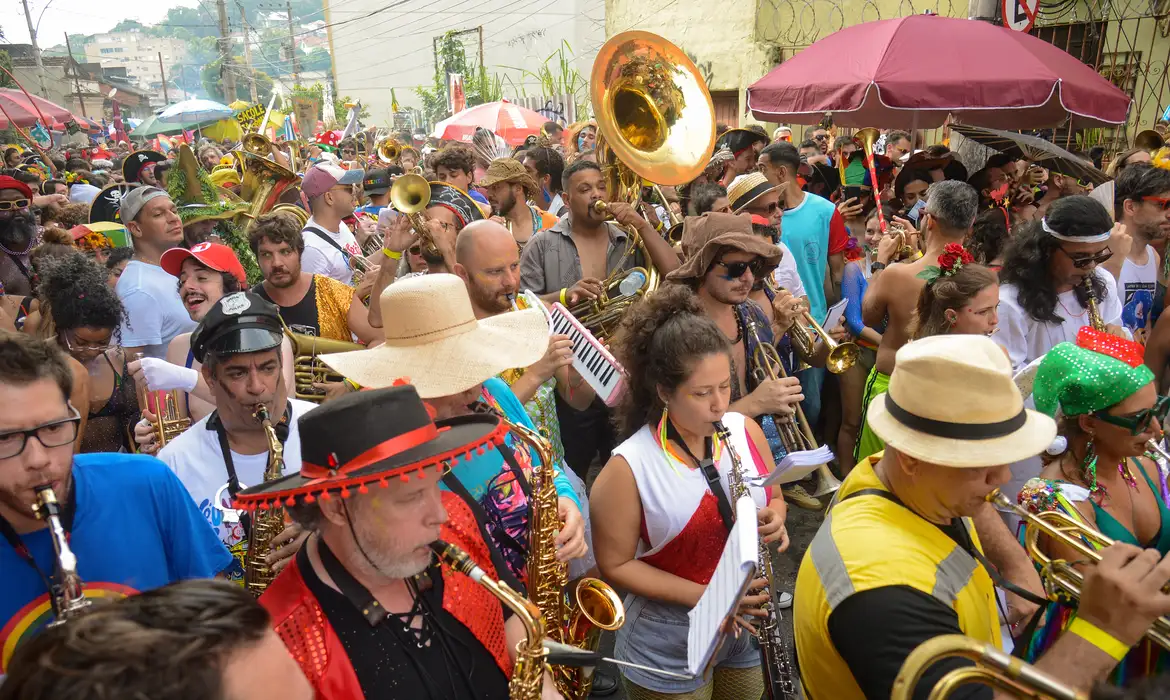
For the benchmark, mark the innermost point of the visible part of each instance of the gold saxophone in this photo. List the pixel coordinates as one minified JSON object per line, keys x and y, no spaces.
{"x":528,"y":673}
{"x":576,"y":619}
{"x":992,"y":667}
{"x":1095,"y":319}
{"x":268,"y":523}
{"x":67,"y":592}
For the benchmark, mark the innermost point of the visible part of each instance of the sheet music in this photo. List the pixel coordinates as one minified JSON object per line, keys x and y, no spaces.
{"x":736,"y":569}
{"x":797,"y":465}
{"x":833,"y":317}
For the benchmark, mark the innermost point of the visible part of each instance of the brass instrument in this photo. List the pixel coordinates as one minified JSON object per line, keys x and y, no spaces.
{"x":656,"y":122}
{"x":298,"y":213}
{"x":308,"y":369}
{"x":168,"y":421}
{"x":1095,"y":319}
{"x":1149,"y":140}
{"x":576,"y":619}
{"x":992,"y":667}
{"x":866,"y":138}
{"x":842,"y":356}
{"x":388,"y":150}
{"x":264,"y":180}
{"x":1061,"y":578}
{"x":67,"y":591}
{"x":796,"y":434}
{"x":779,"y":683}
{"x":528,"y":673}
{"x":266,"y":523}
{"x":410,"y":194}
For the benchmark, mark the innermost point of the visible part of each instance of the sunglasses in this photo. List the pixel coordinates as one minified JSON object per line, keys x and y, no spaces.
{"x":822,"y":137}
{"x":735,"y":270}
{"x":14,"y":204}
{"x":1162,"y":202}
{"x":1136,"y":423}
{"x":415,"y":250}
{"x":1082,"y":261}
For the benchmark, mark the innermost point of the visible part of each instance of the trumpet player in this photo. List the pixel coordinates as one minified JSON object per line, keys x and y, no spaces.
{"x":1099,"y":469}
{"x":329,"y":244}
{"x":238,"y":344}
{"x":952,"y":420}
{"x":364,"y":607}
{"x":128,"y":520}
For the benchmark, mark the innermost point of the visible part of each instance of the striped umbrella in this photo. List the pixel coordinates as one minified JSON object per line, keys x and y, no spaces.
{"x":1034,"y":150}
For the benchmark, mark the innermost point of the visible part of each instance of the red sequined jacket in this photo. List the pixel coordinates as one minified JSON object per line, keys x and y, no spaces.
{"x":302,"y":625}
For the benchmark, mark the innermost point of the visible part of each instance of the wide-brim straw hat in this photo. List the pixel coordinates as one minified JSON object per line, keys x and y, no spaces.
{"x":434,"y":341}
{"x":952,"y":402}
{"x":704,"y":237}
{"x":509,"y":170}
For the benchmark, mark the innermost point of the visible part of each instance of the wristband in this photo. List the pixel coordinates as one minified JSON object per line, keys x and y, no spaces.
{"x":392,"y":254}
{"x":353,"y":386}
{"x":1099,"y":638}
{"x":874,"y":267}
{"x":563,"y":292}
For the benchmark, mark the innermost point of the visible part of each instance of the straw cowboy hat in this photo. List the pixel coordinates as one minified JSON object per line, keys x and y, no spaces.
{"x":952,"y":402}
{"x":509,"y":170}
{"x":434,"y":341}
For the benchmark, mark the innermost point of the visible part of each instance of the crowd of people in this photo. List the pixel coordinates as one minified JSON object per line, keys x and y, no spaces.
{"x":176,"y":328}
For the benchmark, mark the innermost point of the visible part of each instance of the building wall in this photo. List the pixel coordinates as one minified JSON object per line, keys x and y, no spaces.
{"x":137,"y":53}
{"x":394,"y":49}
{"x":718,"y":36}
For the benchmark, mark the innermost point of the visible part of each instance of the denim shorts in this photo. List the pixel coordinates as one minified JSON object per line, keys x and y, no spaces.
{"x":655,"y":635}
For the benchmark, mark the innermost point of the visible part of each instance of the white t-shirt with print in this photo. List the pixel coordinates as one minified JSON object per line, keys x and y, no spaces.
{"x":1138,"y":285}
{"x":324,"y":259}
{"x":154,"y":312}
{"x":196,"y":459}
{"x":786,"y":275}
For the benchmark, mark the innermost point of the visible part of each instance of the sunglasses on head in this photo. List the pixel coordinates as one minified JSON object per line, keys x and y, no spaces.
{"x":1137,"y":422}
{"x":1082,"y":261}
{"x":735,"y":270}
{"x":14,"y":204}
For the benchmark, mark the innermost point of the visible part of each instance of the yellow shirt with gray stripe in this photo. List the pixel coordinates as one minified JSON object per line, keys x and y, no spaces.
{"x":868,"y":542}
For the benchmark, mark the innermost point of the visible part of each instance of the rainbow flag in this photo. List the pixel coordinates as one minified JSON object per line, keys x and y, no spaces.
{"x":164,"y":144}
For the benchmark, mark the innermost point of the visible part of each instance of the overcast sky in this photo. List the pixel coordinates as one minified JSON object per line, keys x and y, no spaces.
{"x":78,"y":17}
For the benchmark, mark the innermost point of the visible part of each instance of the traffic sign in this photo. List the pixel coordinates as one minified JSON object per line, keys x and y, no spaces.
{"x":1020,"y":15}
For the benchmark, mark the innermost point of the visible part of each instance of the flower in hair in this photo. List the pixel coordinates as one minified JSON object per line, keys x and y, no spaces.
{"x":953,"y":258}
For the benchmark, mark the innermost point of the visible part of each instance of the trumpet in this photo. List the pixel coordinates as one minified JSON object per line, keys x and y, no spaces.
{"x":1061,"y":578}
{"x":992,"y":667}
{"x":410,"y":194}
{"x":842,"y":356}
{"x":168,"y":422}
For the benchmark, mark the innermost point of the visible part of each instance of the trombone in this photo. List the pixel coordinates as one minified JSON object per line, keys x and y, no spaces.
{"x":1061,"y":578}
{"x":992,"y":667}
{"x":410,"y":194}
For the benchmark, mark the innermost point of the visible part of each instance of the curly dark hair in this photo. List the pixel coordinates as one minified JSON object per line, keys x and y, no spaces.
{"x":989,"y":235}
{"x":547,"y":162}
{"x":1027,"y":259}
{"x":454,"y":157}
{"x":945,"y":293}
{"x":74,"y":288}
{"x":658,"y":341}
{"x":171,"y":642}
{"x":276,"y":227}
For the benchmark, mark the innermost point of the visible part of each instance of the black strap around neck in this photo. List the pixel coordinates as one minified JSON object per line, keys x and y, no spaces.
{"x":710,"y":473}
{"x":215,"y":423}
{"x":328,"y":239}
{"x":68,"y":510}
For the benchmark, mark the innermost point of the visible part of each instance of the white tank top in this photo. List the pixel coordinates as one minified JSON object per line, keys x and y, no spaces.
{"x":670,"y":492}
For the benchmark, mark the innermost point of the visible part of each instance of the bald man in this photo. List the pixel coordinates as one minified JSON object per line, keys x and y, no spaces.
{"x":488,"y":261}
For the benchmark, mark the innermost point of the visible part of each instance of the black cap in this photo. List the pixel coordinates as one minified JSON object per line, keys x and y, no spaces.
{"x":739,"y":140}
{"x":377,"y":181}
{"x":238,"y":323}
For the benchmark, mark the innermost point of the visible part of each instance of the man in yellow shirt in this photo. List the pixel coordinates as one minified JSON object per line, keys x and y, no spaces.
{"x":897,"y":561}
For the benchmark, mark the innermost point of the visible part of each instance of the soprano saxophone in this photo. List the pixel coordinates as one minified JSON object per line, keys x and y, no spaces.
{"x":575,"y":618}
{"x":779,"y":681}
{"x":528,"y":673}
{"x":67,"y":592}
{"x":1095,"y":319}
{"x":267,"y":523}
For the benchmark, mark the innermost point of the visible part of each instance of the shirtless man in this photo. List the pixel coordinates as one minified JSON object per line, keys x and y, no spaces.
{"x":893,"y":292}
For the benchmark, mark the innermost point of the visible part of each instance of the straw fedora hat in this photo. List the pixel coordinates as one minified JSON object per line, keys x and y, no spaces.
{"x":745,"y":189}
{"x":434,"y":341}
{"x":952,"y":402}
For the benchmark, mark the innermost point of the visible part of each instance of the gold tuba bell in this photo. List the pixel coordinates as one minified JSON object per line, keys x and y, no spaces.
{"x":1149,"y":140}
{"x":263,"y":179}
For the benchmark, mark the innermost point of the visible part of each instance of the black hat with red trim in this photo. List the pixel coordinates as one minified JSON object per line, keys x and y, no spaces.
{"x":360,"y":441}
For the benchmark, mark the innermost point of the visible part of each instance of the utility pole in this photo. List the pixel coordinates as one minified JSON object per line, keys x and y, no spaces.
{"x":76,"y":82}
{"x":225,"y":54}
{"x":163,"y":76}
{"x":248,"y":55}
{"x":32,"y":36}
{"x":292,"y":45}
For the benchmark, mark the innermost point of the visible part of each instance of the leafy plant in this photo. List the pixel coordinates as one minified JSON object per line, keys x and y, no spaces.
{"x":557,"y":76}
{"x":478,"y":88}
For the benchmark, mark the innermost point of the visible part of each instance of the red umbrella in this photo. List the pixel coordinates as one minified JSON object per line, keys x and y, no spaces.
{"x":913,"y":71}
{"x":512,"y":122}
{"x":17,"y":106}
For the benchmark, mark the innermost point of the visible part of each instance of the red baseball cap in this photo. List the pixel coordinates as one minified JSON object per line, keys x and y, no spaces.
{"x":7,"y":182}
{"x":216,"y":256}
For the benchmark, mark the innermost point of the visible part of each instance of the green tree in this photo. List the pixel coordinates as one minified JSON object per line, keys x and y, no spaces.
{"x":317,"y":90}
{"x":477,"y":86}
{"x":317,"y":60}
{"x":6,"y":62}
{"x":213,"y":83}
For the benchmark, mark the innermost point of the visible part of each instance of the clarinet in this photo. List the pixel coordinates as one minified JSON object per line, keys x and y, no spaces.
{"x":777,"y":665}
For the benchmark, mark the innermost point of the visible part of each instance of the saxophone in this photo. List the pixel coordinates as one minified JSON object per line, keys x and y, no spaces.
{"x":528,"y":673}
{"x":593,"y":606}
{"x":266,"y":524}
{"x":1095,"y":319}
{"x":67,"y":593}
{"x":777,"y":664}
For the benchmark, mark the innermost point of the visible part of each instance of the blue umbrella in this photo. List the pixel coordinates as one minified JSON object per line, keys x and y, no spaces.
{"x":191,"y":111}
